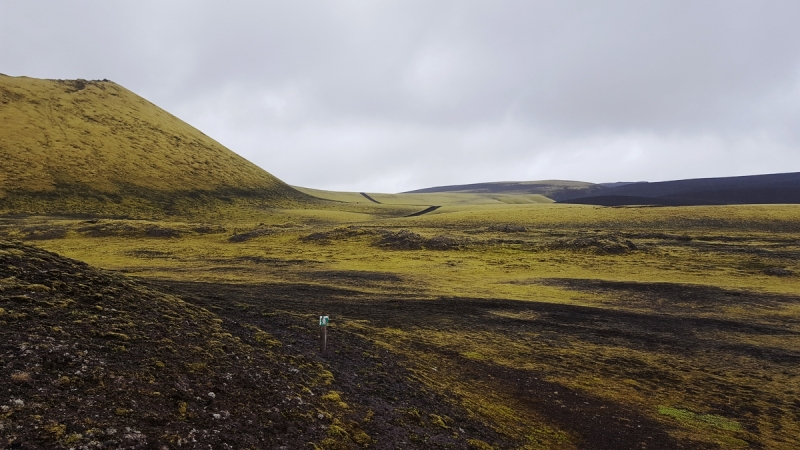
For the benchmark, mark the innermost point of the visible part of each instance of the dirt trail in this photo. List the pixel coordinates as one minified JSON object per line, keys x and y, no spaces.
{"x":424,"y":211}
{"x":369,"y":198}
{"x":383,"y":397}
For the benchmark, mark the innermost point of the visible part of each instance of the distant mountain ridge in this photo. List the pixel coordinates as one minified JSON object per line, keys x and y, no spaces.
{"x":94,"y":147}
{"x":783,"y":188}
{"x":553,"y":189}
{"x":752,"y":189}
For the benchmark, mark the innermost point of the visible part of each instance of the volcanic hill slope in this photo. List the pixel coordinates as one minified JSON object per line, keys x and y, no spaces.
{"x":95,"y":147}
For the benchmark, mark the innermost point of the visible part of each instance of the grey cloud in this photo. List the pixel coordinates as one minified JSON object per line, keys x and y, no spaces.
{"x":400,"y":95}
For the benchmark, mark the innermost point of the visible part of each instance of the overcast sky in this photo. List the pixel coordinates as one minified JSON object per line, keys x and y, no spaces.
{"x":387,"y":96}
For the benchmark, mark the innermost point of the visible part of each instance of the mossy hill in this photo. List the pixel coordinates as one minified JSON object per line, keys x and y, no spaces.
{"x":94,"y":147}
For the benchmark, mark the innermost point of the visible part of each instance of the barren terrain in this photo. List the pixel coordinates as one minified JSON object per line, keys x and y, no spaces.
{"x":538,"y":326}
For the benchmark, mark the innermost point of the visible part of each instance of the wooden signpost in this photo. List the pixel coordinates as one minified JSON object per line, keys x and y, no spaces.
{"x":323,"y":333}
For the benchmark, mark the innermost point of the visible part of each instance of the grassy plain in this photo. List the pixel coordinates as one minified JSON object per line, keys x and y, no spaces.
{"x":558,"y":326}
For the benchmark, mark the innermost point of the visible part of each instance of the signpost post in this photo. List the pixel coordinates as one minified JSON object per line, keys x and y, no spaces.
{"x":323,"y":333}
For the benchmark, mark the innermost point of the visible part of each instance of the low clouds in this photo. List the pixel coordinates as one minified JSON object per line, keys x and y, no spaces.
{"x":391,"y":96}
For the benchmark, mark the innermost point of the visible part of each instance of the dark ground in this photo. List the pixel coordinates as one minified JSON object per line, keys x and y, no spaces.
{"x":92,"y":358}
{"x":599,"y":423}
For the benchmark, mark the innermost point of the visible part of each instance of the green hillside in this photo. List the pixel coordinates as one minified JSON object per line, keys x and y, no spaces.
{"x":553,"y":189}
{"x":424,"y":199}
{"x":95,"y":147}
